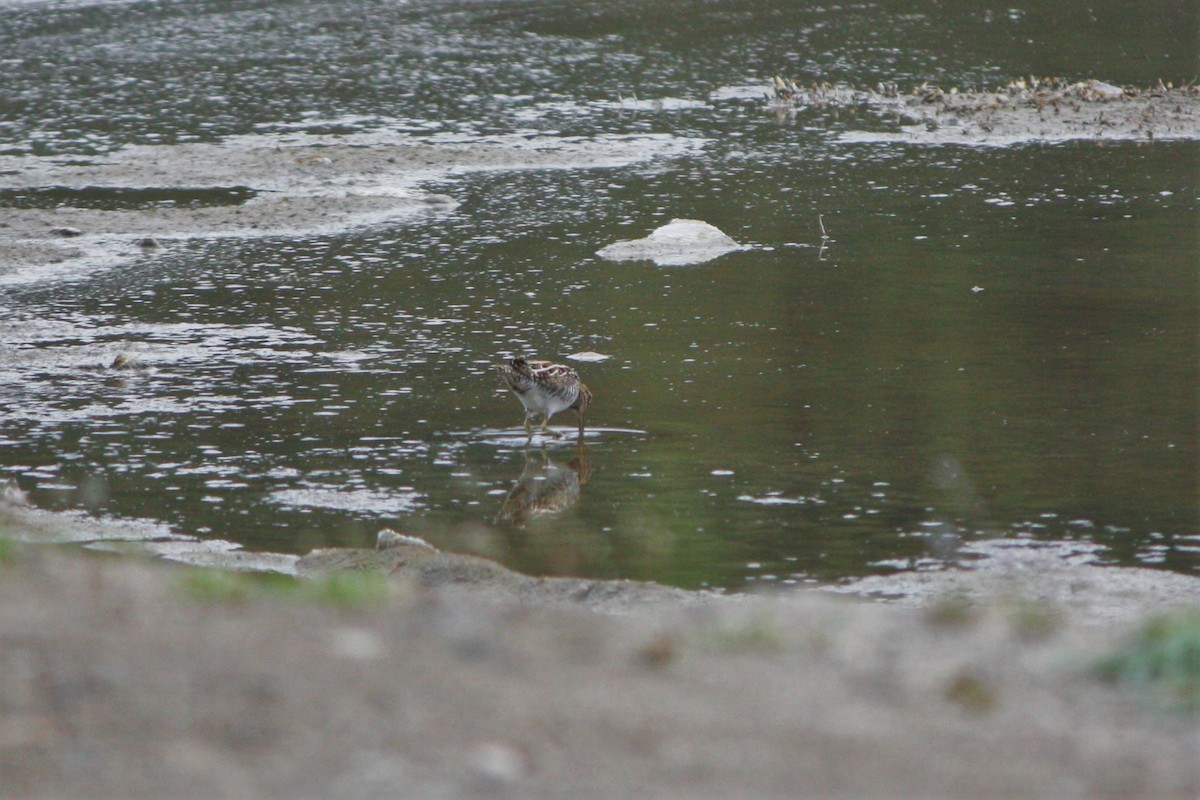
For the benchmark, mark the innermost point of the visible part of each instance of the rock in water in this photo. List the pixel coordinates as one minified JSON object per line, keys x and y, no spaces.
{"x":679,"y":242}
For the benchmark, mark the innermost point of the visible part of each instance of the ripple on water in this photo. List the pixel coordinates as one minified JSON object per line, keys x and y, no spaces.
{"x":517,"y":437}
{"x":372,"y":502}
{"x":59,"y":370}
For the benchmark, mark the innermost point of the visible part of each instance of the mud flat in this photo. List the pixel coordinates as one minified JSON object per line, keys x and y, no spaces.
{"x":1052,"y":112}
{"x":1025,"y":111}
{"x":443,"y":675}
{"x":64,"y":213}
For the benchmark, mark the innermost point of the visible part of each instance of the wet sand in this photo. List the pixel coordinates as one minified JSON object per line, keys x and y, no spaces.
{"x":118,"y":680}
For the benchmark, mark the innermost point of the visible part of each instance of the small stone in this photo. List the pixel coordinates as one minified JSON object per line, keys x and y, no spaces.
{"x":972,"y":693}
{"x":679,"y":242}
{"x":149,"y":243}
{"x":657,"y":653}
{"x":498,"y":763}
{"x":387,"y":539}
{"x":66,"y":231}
{"x":13,"y":494}
{"x":357,"y":644}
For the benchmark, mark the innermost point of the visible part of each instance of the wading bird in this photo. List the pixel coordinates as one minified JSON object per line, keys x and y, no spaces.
{"x":545,"y":388}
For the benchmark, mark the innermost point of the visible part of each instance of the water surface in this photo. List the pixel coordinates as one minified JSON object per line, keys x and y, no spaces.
{"x":991,"y":342}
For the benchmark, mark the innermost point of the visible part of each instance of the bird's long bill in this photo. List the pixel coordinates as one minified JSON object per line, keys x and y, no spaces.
{"x":580,"y":415}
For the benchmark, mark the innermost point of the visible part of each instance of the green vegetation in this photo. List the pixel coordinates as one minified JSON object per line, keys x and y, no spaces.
{"x":760,"y":633}
{"x":8,"y":552}
{"x":1163,"y":660}
{"x":349,"y":589}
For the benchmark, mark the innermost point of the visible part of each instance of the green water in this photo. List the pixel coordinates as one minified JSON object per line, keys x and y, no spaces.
{"x":991,"y":342}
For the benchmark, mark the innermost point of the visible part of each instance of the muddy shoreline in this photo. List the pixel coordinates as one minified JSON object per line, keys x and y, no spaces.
{"x":408,"y":671}
{"x":119,"y":679}
{"x":434,"y":674}
{"x":1069,"y":576}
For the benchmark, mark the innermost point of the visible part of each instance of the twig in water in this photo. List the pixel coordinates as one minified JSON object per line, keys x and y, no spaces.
{"x":824,"y":239}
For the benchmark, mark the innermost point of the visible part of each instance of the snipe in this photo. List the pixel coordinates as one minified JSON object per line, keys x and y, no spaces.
{"x":545,"y":389}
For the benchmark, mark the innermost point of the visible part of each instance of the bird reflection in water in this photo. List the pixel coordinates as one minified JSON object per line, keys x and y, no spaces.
{"x":544,"y":488}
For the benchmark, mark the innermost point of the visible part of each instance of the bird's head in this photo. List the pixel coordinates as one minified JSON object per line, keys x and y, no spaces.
{"x":581,"y":404}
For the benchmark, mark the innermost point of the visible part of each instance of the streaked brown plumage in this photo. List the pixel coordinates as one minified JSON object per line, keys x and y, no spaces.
{"x":545,"y":389}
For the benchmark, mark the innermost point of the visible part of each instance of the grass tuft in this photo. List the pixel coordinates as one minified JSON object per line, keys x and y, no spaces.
{"x":760,"y":633}
{"x":1163,"y":660}
{"x":222,"y":586}
{"x":346,"y":590}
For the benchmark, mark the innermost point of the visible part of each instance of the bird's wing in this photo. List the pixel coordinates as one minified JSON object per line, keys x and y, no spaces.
{"x":556,"y":374}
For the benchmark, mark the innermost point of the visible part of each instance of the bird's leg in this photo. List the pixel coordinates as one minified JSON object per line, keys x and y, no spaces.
{"x":547,"y":431}
{"x":528,"y":427}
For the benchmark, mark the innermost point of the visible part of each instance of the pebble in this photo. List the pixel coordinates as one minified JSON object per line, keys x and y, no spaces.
{"x":498,"y":763}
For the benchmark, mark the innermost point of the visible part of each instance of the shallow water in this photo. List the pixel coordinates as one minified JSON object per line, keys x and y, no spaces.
{"x":990,"y":342}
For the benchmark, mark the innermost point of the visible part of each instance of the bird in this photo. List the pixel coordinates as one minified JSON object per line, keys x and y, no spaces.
{"x":545,"y":388}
